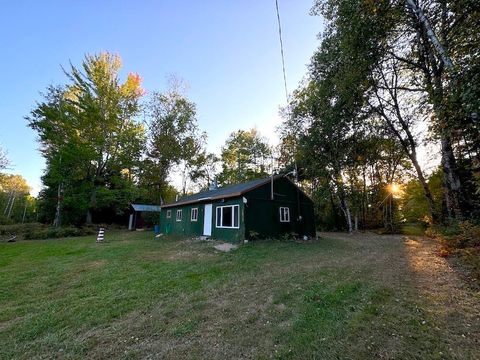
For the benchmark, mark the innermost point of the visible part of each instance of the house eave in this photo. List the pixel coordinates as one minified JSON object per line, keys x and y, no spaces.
{"x":202,"y":200}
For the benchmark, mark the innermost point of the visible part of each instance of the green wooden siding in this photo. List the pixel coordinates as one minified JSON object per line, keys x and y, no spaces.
{"x":260,"y":215}
{"x":263,"y":214}
{"x":231,"y":235}
{"x":185,"y":226}
{"x":195,"y":228}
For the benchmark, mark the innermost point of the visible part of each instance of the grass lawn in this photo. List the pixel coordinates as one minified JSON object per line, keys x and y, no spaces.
{"x":343,"y":297}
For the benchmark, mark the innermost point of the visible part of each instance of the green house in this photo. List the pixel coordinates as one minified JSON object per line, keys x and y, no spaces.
{"x":263,"y":208}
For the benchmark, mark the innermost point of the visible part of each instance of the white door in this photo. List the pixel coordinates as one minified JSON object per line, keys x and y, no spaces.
{"x":207,"y":220}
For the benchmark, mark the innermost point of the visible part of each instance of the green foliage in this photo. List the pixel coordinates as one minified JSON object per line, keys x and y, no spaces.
{"x":461,"y":240}
{"x":175,"y":142}
{"x":246,"y":155}
{"x":90,"y":140}
{"x":463,"y":235}
{"x":413,"y":229}
{"x":16,"y":204}
{"x":60,"y":232}
{"x":414,"y":205}
{"x":30,"y":231}
{"x":353,"y":125}
{"x":348,"y":157}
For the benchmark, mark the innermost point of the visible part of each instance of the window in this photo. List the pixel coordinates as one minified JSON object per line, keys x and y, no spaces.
{"x":169,"y":214}
{"x":194,"y":214}
{"x":179,"y":215}
{"x":227,"y":217}
{"x":284,"y":214}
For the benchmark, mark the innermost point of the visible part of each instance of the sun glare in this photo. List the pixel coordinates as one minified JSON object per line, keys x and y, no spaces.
{"x":394,"y":189}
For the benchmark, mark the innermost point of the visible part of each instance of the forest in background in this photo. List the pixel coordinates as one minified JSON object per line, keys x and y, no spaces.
{"x":389,"y":78}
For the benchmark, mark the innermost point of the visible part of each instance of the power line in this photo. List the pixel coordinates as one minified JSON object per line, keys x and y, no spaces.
{"x":281,"y":50}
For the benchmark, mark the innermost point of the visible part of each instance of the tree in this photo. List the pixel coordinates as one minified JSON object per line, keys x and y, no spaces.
{"x":434,"y":36}
{"x":14,"y":197}
{"x":414,"y":205}
{"x":389,"y":100}
{"x":204,"y":170}
{"x":328,"y":110}
{"x":405,"y":58}
{"x":3,"y":159}
{"x":246,"y":155}
{"x":174,"y":140}
{"x":349,"y":156}
{"x":88,"y":133}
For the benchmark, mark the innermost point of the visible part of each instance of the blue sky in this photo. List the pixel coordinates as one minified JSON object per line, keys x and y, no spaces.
{"x":227,"y":51}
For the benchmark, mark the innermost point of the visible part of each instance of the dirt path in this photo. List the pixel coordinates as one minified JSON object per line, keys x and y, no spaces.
{"x":456,"y":305}
{"x":453,"y":304}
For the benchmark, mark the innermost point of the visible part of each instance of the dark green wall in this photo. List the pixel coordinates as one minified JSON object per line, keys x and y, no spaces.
{"x":192,"y":228}
{"x":231,"y":235}
{"x":263,"y":214}
{"x":184,"y":227}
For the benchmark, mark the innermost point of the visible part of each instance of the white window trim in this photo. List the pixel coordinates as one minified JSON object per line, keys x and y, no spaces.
{"x":287,"y":214}
{"x":194,"y":212}
{"x":169,"y":214}
{"x":181,"y":215}
{"x":233,"y":214}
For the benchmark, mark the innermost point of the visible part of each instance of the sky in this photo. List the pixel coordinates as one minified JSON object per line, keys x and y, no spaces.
{"x":227,"y":51}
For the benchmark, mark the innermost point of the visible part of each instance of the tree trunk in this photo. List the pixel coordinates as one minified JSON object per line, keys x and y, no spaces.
{"x":24,"y":211}
{"x":407,"y":141}
{"x":346,"y":211}
{"x":57,"y":222}
{"x":88,"y":219}
{"x":452,"y":185}
{"x":93,"y":198}
{"x":422,"y":19}
{"x":11,"y":205}
{"x":426,"y":189}
{"x":434,"y":81}
{"x":364,"y":199}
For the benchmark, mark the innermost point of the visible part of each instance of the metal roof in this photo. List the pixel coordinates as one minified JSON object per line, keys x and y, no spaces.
{"x":223,"y":192}
{"x":146,"y":208}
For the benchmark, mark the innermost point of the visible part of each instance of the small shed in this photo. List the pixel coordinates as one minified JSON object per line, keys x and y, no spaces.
{"x":136,"y":221}
{"x":262,"y":208}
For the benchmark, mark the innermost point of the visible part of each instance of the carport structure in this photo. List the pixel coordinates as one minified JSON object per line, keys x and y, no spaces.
{"x":135,"y":220}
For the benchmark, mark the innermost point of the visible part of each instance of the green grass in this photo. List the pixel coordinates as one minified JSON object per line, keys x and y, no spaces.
{"x":414,"y":229}
{"x":135,"y":297}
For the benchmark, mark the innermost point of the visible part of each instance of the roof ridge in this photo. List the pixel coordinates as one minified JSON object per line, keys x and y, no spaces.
{"x":229,"y":190}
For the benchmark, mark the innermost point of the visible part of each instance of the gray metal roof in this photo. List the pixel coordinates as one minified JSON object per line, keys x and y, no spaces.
{"x":146,"y":208}
{"x":223,"y":192}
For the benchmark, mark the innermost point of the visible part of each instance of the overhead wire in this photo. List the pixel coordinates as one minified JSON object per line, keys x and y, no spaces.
{"x":287,"y":99}
{"x":281,"y":50}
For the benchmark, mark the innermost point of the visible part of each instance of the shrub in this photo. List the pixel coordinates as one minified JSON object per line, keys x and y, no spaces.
{"x":40,"y":231}
{"x":462,"y":240}
{"x":20,"y":229}
{"x":66,"y":231}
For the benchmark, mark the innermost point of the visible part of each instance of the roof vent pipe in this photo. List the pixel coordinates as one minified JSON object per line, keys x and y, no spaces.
{"x":213,"y":185}
{"x":271,"y":187}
